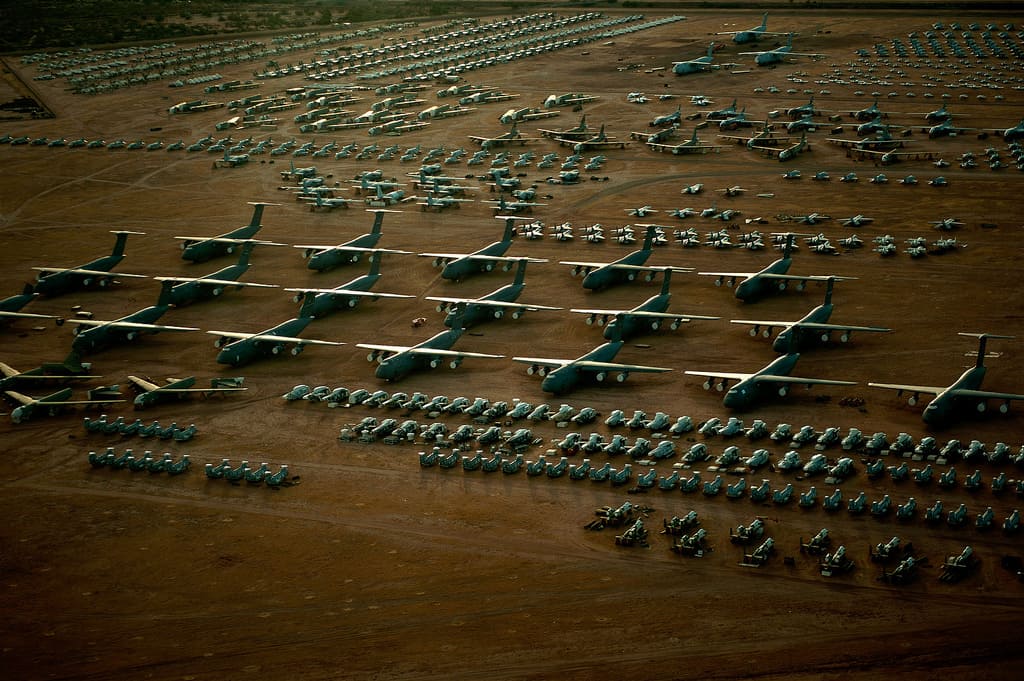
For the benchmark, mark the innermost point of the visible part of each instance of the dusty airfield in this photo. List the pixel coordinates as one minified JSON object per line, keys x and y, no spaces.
{"x":374,"y":567}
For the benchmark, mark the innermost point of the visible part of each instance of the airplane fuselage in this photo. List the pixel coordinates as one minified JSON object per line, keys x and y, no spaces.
{"x":460,"y":268}
{"x":566,"y":378}
{"x":472,"y":314}
{"x":606,"y":276}
{"x":56,"y":283}
{"x":15,"y":303}
{"x":771,"y":57}
{"x":333,"y":257}
{"x":100,"y":337}
{"x":693,"y":66}
{"x":402,"y":364}
{"x":942,"y":408}
{"x":193,"y":291}
{"x":26,"y":411}
{"x":246,"y":350}
{"x":632,"y":325}
{"x":794,"y":338}
{"x":154,"y":394}
{"x":756,"y":286}
{"x":744,"y":37}
{"x":747,"y":392}
{"x":326,"y":303}
{"x":208,"y":249}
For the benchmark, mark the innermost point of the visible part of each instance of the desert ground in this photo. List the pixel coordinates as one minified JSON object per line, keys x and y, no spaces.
{"x":374,"y":567}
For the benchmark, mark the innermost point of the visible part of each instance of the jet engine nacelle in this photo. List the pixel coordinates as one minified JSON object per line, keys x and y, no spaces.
{"x":297,"y":350}
{"x":439,"y":262}
{"x":435,"y":362}
{"x":622,"y":376}
{"x":454,"y":364}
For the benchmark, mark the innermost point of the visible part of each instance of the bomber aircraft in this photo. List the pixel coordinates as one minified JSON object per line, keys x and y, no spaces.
{"x":349,"y":295}
{"x":494,"y":305}
{"x":513,"y":136}
{"x":755,"y":285}
{"x":812,"y":329}
{"x":397,"y":361}
{"x":71,"y":369}
{"x":562,"y":375}
{"x":189,"y":290}
{"x":690,"y":146}
{"x":597,"y":275}
{"x":102,"y":334}
{"x":53,"y":281}
{"x":200,"y":249}
{"x":964,"y":391}
{"x":150,"y":393}
{"x":240,"y":348}
{"x":749,"y":388}
{"x":323,"y":258}
{"x":646,"y":317}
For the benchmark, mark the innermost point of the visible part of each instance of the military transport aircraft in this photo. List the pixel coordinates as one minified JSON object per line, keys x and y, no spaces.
{"x":49,"y":405}
{"x":963,"y":392}
{"x":323,"y":258}
{"x":562,"y":375}
{"x":755,"y":285}
{"x":200,"y":249}
{"x":646,"y":317}
{"x":812,"y":329}
{"x":749,"y":388}
{"x":349,"y":295}
{"x":397,"y":361}
{"x":150,"y":393}
{"x":598,"y":275}
{"x":53,"y":281}
{"x":681,"y":68}
{"x":778,"y":54}
{"x":240,"y":348}
{"x":189,"y":290}
{"x":752,"y":34}
{"x":458,"y":266}
{"x":102,"y":334}
{"x":494,"y":305}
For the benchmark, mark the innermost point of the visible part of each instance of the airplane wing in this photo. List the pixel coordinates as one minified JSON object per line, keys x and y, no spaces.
{"x":76,"y":270}
{"x":737,"y":275}
{"x":719,"y":374}
{"x":26,"y":400}
{"x":964,"y":392}
{"x":162,"y":389}
{"x":769,"y":378}
{"x":591,"y":365}
{"x":26,"y":315}
{"x":349,"y":292}
{"x":644,"y":314}
{"x":543,"y":361}
{"x":215,"y":282}
{"x":271,"y":337}
{"x":426,"y":351}
{"x":808,"y":325}
{"x":491,"y":303}
{"x":131,"y":325}
{"x":926,"y":389}
{"x":620,"y":266}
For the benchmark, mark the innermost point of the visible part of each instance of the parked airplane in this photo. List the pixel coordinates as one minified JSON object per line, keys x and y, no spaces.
{"x":200,"y":249}
{"x":778,"y":54}
{"x":690,"y":146}
{"x":775,"y":276}
{"x":513,"y":136}
{"x":646,"y":317}
{"x":722,"y":114}
{"x":10,"y":308}
{"x":102,"y":334}
{"x":966,"y":390}
{"x":494,"y":305}
{"x":458,"y":266}
{"x":48,"y":405}
{"x":323,"y":258}
{"x":599,"y":141}
{"x":440,"y":201}
{"x":397,"y":361}
{"x":189,"y":290}
{"x":813,"y":328}
{"x":71,"y":369}
{"x":150,"y":393}
{"x":682,"y":68}
{"x":752,"y":34}
{"x":749,"y":388}
{"x":350,"y":294}
{"x":53,"y":281}
{"x":241,"y":348}
{"x":597,"y":275}
{"x":674,"y":118}
{"x":562,"y":375}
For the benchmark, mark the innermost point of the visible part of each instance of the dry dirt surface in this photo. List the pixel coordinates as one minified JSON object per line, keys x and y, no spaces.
{"x":373,"y":567}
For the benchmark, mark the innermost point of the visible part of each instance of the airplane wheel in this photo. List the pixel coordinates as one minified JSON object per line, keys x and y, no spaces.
{"x":782,"y":391}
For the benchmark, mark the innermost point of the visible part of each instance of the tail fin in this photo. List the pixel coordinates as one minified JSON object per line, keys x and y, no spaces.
{"x":29,"y":289}
{"x":306,"y":309}
{"x":666,"y":282}
{"x":165,"y":293}
{"x":510,"y":225}
{"x":828,"y":290}
{"x":521,"y":272}
{"x":243,"y":256}
{"x":380,"y":193}
{"x":764,"y":22}
{"x":122,"y":239}
{"x":693,"y":140}
{"x":257,"y":214}
{"x":378,"y":220}
{"x":600,"y":134}
{"x":649,"y":238}
{"x":711,"y":50}
{"x":374,"y":263}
